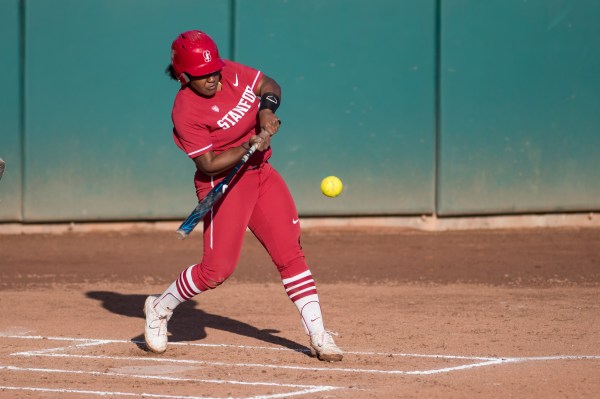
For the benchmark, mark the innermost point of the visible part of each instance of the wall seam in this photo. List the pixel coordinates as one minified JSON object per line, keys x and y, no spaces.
{"x":438,"y":105}
{"x":21,"y":72}
{"x":232,"y":32}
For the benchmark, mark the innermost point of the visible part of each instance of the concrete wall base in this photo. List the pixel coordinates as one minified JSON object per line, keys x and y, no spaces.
{"x":424,"y":222}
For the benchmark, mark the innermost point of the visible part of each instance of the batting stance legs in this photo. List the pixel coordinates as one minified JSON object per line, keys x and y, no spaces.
{"x":271,"y":215}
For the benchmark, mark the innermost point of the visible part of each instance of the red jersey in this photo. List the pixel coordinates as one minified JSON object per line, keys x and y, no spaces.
{"x":223,"y":121}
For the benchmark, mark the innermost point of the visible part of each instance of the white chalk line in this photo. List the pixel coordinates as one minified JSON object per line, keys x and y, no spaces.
{"x":139,"y":395}
{"x":98,"y":393}
{"x":162,"y":377}
{"x":93,"y":341}
{"x":305,"y":389}
{"x":316,"y":369}
{"x":85,"y":342}
{"x":482,"y":361}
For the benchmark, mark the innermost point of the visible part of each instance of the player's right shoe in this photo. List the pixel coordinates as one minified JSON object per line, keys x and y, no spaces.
{"x":155,"y":332}
{"x":323,"y":346}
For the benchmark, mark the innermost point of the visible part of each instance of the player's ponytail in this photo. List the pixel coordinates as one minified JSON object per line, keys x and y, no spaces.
{"x":171,"y":72}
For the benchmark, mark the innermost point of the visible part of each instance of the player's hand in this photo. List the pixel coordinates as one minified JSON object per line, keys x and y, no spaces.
{"x":263,"y":139}
{"x":269,"y":121}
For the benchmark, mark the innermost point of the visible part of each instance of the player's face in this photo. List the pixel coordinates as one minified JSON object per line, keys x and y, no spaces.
{"x":206,"y":85}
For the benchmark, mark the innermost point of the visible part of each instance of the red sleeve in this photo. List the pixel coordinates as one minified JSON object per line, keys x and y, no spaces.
{"x":192,"y":138}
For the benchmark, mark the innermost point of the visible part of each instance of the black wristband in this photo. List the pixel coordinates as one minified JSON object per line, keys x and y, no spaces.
{"x":269,"y":101}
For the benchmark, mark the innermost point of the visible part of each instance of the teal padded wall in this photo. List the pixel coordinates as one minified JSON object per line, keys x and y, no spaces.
{"x":10,"y":111}
{"x":421,"y":106}
{"x":358,"y":98}
{"x":98,"y":128}
{"x":520,"y":106}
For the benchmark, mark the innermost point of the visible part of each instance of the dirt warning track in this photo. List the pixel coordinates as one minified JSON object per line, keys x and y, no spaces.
{"x":457,"y":314}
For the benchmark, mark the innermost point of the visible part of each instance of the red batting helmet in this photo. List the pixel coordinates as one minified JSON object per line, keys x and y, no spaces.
{"x":194,"y":53}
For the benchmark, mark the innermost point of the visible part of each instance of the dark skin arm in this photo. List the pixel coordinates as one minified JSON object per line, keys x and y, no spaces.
{"x":212,"y":164}
{"x":268,"y":120}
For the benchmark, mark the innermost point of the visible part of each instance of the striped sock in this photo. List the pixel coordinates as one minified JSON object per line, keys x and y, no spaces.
{"x":179,"y":291}
{"x":301,"y":289}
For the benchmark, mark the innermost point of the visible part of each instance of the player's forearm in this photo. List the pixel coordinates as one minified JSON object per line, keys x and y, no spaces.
{"x":212,"y":164}
{"x":270,"y":94}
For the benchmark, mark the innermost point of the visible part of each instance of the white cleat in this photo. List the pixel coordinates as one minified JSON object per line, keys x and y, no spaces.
{"x":323,"y":346}
{"x":155,"y":332}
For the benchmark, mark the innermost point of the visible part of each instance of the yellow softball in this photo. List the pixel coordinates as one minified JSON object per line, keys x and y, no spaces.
{"x":331,"y":186}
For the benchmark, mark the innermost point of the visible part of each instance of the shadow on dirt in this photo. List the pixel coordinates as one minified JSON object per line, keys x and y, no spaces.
{"x":188,"y":323}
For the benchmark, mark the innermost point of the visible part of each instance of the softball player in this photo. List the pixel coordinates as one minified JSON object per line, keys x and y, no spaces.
{"x":221,"y":110}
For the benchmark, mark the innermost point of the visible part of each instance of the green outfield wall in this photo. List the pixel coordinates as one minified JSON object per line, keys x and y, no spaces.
{"x":440,"y":107}
{"x":519,"y":106}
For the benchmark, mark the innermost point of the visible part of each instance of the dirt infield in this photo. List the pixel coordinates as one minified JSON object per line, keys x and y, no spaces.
{"x":499,"y":313}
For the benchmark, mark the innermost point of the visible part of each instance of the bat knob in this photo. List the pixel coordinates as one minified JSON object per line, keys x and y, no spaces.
{"x":182,"y":235}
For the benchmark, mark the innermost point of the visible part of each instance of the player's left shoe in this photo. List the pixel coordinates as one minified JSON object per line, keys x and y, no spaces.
{"x":155,"y":332}
{"x":323,"y":346}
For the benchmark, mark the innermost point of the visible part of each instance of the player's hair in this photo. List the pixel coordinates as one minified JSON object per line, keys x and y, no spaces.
{"x":171,"y":72}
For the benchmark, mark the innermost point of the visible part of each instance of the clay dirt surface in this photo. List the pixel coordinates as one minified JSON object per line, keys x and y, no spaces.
{"x":458,"y":314}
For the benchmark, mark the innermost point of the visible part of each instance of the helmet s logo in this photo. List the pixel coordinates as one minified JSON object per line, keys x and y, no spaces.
{"x":207,"y":56}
